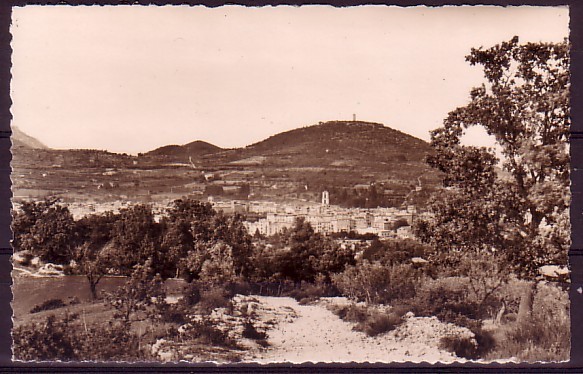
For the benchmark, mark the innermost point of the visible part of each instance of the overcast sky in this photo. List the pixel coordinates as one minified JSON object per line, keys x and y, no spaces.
{"x":130,"y":79}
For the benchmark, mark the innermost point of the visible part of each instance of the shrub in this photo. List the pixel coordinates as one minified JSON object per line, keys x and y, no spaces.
{"x":545,"y":335}
{"x":379,"y":323}
{"x":173,"y":314}
{"x":215,"y":297}
{"x":470,"y":348}
{"x":309,"y":292}
{"x":191,"y":295}
{"x":377,"y":283}
{"x":238,"y":288}
{"x":461,"y":346}
{"x":486,"y":274}
{"x":355,"y":314}
{"x":48,"y":305}
{"x":140,"y":293}
{"x":448,"y":299}
{"x":485,"y":340}
{"x":511,"y":294}
{"x":250,"y":331}
{"x":65,"y":339}
{"x":400,"y":309}
{"x":46,"y":341}
{"x":205,"y":332}
{"x":113,"y":341}
{"x":367,"y":319}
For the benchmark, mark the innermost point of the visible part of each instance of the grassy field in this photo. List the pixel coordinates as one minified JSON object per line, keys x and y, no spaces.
{"x":29,"y":292}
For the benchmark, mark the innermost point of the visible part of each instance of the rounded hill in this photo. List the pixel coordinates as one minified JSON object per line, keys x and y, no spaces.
{"x":194,"y":149}
{"x":337,"y":141}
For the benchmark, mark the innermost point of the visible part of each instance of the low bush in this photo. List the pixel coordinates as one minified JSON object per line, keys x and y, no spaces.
{"x":367,"y":319}
{"x":113,"y":341}
{"x":50,"y":304}
{"x":376,"y":283}
{"x":400,"y":309}
{"x":205,"y":332}
{"x":65,"y":339}
{"x":470,"y":348}
{"x":461,"y":346}
{"x":238,"y":288}
{"x":51,"y":340}
{"x":486,"y":341}
{"x":213,"y":298}
{"x":510,"y":294}
{"x":379,"y":323}
{"x":173,"y":314}
{"x":191,"y":295}
{"x":356,"y":314}
{"x":448,"y":299}
{"x":545,"y":334}
{"x":309,"y":292}
{"x":250,"y":331}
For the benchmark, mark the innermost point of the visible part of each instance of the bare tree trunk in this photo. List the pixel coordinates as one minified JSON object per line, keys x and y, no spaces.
{"x":525,"y":307}
{"x":93,"y":288}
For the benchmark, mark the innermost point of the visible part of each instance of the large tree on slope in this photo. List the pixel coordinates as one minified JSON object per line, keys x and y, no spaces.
{"x":521,"y":211}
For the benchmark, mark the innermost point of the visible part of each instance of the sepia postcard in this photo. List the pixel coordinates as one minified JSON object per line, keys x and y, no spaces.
{"x":290,"y":184}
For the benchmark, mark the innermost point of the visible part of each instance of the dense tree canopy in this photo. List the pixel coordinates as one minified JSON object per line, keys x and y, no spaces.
{"x":187,"y":221}
{"x":46,"y":229}
{"x":135,"y":238}
{"x":516,"y":206}
{"x":311,"y":255}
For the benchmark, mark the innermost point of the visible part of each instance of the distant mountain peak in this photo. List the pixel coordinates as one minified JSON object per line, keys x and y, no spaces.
{"x":21,"y":139}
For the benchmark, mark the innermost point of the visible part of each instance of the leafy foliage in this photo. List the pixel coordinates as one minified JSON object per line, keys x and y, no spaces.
{"x":135,"y":238}
{"x":64,"y":339}
{"x":395,"y":251}
{"x":545,"y":335}
{"x":45,"y":341}
{"x":188,"y":221}
{"x":312,"y":254}
{"x":142,"y":290}
{"x":523,"y":211}
{"x":46,"y":229}
{"x":377,"y":283}
{"x":195,"y":234}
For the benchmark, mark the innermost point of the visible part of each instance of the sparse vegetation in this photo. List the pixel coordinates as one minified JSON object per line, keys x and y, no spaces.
{"x":250,"y":332}
{"x":368,"y":319}
{"x":48,"y":305}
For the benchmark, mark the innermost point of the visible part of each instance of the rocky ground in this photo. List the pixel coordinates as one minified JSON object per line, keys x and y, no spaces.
{"x":312,"y":333}
{"x":297,"y":333}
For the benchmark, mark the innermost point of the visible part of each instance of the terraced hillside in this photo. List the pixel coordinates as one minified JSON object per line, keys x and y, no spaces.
{"x":298,"y":164}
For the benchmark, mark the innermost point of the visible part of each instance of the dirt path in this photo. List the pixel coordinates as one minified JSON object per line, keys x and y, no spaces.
{"x":312,"y":333}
